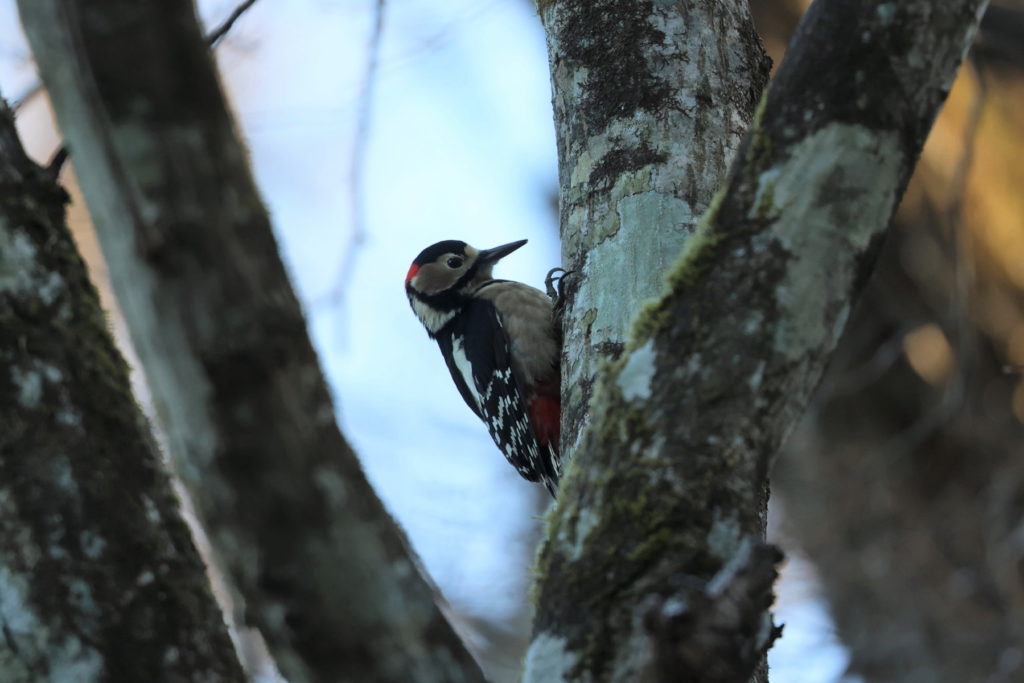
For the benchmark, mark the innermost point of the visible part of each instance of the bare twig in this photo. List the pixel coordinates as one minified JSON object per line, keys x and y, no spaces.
{"x":444,"y":35}
{"x":357,"y":162}
{"x":215,"y":36}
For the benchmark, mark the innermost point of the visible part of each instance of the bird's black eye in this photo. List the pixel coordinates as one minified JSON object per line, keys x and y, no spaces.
{"x":454,"y":262}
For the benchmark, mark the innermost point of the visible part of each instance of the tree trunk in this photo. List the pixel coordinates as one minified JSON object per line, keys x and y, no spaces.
{"x":327,"y":576}
{"x":665,"y":496}
{"x":904,"y":483}
{"x":651,"y":102}
{"x":99,"y":579}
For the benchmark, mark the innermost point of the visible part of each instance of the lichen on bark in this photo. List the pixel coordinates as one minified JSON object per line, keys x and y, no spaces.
{"x":325,"y":573}
{"x":99,"y":579}
{"x":669,"y":478}
{"x":640,"y":153}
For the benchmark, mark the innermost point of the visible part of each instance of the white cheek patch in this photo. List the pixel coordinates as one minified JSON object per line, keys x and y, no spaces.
{"x":432,"y":319}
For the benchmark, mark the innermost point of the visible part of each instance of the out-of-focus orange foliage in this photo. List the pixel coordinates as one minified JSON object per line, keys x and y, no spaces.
{"x":964,"y":207}
{"x":970,"y":181}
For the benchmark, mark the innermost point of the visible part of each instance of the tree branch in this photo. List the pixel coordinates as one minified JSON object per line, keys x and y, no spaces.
{"x":212,"y":39}
{"x":327,"y":576}
{"x":215,"y":36}
{"x":99,"y":578}
{"x":718,"y":631}
{"x":641,"y":154}
{"x":670,"y":475}
{"x":357,"y":162}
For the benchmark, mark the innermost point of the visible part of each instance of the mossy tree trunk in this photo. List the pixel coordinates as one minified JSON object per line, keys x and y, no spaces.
{"x":662,"y":508}
{"x":99,"y":579}
{"x":326,"y":575}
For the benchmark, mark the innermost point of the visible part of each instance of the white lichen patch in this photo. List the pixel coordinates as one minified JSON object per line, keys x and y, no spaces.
{"x":634,"y":381}
{"x":581,"y":170}
{"x":29,"y":385}
{"x":72,"y":661}
{"x":29,"y":380}
{"x":670,"y":214}
{"x":548,"y":659}
{"x":754,"y":323}
{"x":60,"y":653}
{"x":17,"y":260}
{"x":733,"y":564}
{"x":63,"y":475}
{"x":334,"y":488}
{"x":725,"y":535}
{"x":763,"y":205}
{"x":15,"y":611}
{"x":833,"y":194}
{"x":653,"y":228}
{"x":152,"y":513}
{"x":69,"y":416}
{"x":50,"y":287}
{"x":20,"y":271}
{"x":757,"y":376}
{"x":886,"y":13}
{"x":93,"y":545}
{"x":588,"y":520}
{"x":79,"y":596}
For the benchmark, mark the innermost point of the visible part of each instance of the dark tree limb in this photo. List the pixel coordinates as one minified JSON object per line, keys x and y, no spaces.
{"x":716,"y":631}
{"x":327,"y":576}
{"x":671,"y":473}
{"x":99,"y":579}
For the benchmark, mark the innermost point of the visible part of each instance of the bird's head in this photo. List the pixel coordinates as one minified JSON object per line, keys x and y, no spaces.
{"x":443,"y":276}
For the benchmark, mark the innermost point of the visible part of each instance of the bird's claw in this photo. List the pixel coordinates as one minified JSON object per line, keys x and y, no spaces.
{"x":556,"y":292}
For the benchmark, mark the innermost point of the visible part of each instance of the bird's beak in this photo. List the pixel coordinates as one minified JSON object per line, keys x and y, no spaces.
{"x":489,"y":257}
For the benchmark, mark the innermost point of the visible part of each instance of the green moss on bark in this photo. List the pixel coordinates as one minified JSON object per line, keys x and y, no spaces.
{"x":93,"y":537}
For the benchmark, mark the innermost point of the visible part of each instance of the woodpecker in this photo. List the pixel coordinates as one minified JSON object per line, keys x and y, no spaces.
{"x":501,"y":347}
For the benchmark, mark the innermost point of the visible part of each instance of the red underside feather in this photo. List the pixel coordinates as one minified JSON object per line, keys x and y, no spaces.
{"x":545,"y":415}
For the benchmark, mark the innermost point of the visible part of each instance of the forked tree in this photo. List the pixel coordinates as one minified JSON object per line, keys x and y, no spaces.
{"x":717,"y":238}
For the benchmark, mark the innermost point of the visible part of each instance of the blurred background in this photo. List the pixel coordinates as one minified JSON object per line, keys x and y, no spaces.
{"x":377,"y":129}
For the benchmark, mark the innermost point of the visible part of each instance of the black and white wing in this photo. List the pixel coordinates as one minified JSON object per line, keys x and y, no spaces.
{"x":477,"y":351}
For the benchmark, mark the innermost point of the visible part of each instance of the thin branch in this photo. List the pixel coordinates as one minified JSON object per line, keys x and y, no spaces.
{"x":215,"y":36}
{"x":357,"y":162}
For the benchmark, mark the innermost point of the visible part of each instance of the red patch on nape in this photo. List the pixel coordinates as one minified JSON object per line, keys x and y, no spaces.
{"x":413,"y":269}
{"x":545,"y":416}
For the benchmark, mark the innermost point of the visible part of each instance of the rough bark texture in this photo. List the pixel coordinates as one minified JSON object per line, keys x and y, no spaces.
{"x":326,"y":575}
{"x":904,"y":483}
{"x":716,"y":631}
{"x":670,"y":477}
{"x":651,"y":101}
{"x":99,"y":580}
